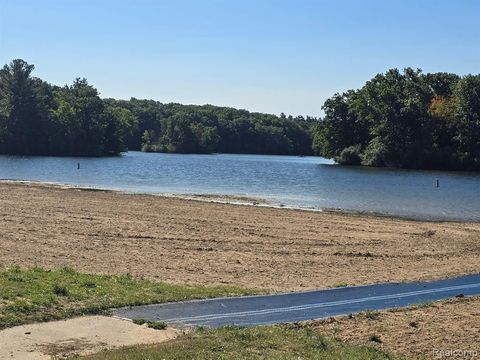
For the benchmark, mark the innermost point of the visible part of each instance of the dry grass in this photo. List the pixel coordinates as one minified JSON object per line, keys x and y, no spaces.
{"x":413,"y":332}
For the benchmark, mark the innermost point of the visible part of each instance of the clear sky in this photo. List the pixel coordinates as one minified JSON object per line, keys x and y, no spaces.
{"x":263,"y":55}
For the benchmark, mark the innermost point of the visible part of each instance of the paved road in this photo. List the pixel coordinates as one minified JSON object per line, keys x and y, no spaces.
{"x":290,"y":307}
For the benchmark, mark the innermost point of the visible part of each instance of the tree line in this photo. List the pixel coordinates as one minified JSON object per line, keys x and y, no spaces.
{"x":180,"y":128}
{"x":37,"y":118}
{"x":397,"y":119}
{"x":404,"y":120}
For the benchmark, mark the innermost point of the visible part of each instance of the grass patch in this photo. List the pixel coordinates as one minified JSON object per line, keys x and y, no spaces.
{"x":139,"y":321}
{"x":35,"y":294}
{"x":157,"y":325}
{"x":263,"y":342}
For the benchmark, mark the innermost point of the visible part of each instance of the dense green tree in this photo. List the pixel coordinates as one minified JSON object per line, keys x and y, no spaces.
{"x":207,"y":129}
{"x":39,"y":119}
{"x":467,"y":137}
{"x":343,"y":128}
{"x":119,"y":125}
{"x":409,"y":120}
{"x":83,"y":118}
{"x":441,"y":84}
{"x":20,"y":107}
{"x":398,"y":114}
{"x":337,"y":130}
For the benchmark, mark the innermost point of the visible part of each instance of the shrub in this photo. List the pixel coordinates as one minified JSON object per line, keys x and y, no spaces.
{"x":139,"y":321}
{"x":350,"y":155}
{"x":157,"y":325}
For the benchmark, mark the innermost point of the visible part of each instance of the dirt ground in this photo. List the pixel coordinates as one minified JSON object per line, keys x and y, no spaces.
{"x":431,"y":332}
{"x":184,"y":241}
{"x":79,"y":336}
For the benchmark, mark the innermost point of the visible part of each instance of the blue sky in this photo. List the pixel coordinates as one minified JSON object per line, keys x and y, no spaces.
{"x":262,"y":55}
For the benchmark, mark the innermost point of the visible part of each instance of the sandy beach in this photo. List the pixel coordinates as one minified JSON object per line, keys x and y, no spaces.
{"x":197,"y":242}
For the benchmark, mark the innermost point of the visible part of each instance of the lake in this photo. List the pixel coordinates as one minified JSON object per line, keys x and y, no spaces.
{"x":304,"y":182}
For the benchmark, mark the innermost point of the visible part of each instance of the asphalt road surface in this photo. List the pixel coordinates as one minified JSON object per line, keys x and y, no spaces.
{"x":300,"y":306}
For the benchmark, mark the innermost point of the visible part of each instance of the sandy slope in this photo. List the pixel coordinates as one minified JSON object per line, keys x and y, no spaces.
{"x":84,"y":335}
{"x":182,"y":241}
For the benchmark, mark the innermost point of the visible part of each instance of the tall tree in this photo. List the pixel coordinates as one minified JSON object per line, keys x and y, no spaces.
{"x":22,"y":121}
{"x":467,"y":95}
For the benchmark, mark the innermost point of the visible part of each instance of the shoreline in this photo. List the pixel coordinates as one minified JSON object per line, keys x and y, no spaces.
{"x":237,"y":200}
{"x":175,"y":240}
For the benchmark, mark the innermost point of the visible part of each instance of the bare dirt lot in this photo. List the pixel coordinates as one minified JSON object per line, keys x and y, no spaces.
{"x":184,"y":241}
{"x":419,"y":332}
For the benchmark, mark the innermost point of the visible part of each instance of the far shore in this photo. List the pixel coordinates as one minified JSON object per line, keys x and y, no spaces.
{"x":211,"y":242}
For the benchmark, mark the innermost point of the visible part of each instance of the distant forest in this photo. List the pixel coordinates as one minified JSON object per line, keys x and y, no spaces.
{"x":398,"y":119}
{"x":176,"y":128}
{"x":37,"y":118}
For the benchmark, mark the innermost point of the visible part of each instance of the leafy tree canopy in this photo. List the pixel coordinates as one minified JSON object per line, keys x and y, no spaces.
{"x":404,"y":119}
{"x":37,"y":118}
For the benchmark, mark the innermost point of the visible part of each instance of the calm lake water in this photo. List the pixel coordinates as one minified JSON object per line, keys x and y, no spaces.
{"x":307,"y":182}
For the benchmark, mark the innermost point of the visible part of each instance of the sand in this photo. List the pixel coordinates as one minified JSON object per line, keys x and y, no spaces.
{"x":79,"y":336}
{"x":429,"y":332}
{"x":185,"y":241}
